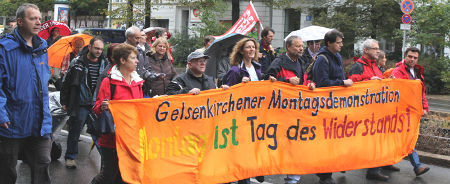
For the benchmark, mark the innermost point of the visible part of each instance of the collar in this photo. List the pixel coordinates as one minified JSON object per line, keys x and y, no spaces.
{"x":291,"y":58}
{"x":311,"y":53}
{"x":116,"y":75}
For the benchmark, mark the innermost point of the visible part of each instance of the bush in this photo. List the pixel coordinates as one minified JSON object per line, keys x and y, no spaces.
{"x":436,"y":74}
{"x":182,"y":45}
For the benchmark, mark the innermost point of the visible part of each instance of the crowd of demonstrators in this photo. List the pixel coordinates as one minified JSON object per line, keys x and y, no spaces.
{"x":207,"y":41}
{"x":25,"y":120}
{"x":266,"y":51}
{"x":78,"y":93}
{"x":160,"y":62}
{"x":127,"y":85}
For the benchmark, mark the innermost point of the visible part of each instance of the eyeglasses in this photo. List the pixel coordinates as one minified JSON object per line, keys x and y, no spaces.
{"x":375,"y":48}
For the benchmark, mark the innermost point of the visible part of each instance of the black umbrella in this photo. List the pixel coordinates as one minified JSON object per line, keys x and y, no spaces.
{"x":219,"y":48}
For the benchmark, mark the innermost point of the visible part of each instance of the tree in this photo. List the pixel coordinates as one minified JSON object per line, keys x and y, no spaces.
{"x":9,"y":7}
{"x":88,"y":8}
{"x":361,"y":19}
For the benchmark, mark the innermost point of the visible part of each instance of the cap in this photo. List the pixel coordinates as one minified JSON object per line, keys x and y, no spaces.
{"x":195,"y":55}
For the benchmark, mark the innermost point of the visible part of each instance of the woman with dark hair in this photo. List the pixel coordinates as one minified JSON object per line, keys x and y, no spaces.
{"x":54,"y":36}
{"x":381,"y":61}
{"x":160,"y":62}
{"x":125,"y":84}
{"x":244,"y":65}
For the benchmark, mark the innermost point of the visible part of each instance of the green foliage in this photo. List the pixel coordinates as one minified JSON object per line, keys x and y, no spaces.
{"x":360,"y":19}
{"x":8,"y":8}
{"x":435,"y":72}
{"x":182,"y":45}
{"x":88,"y":7}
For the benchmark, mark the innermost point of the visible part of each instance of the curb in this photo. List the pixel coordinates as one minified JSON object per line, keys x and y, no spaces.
{"x":434,"y":159}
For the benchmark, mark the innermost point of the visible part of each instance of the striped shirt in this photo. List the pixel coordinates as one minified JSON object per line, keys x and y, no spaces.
{"x":93,"y":69}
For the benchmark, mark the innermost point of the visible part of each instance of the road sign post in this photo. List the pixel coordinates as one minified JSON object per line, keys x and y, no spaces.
{"x":407,"y":7}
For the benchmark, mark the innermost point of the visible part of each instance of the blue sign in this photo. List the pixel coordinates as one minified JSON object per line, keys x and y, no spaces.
{"x":406,"y":19}
{"x":407,"y":6}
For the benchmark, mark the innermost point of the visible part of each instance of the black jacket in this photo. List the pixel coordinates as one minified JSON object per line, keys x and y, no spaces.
{"x":283,"y":68}
{"x":266,"y":59}
{"x":183,"y":83}
{"x":145,"y":70}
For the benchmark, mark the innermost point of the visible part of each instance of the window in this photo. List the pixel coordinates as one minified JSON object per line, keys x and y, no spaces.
{"x":291,"y":21}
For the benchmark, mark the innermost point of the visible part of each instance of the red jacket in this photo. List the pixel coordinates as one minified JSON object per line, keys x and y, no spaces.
{"x":369,"y":69}
{"x":123,"y":91}
{"x":401,"y":72}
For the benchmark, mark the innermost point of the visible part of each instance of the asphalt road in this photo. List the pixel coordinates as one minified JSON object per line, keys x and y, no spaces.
{"x":439,"y":105}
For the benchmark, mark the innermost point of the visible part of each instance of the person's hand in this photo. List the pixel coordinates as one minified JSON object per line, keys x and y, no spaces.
{"x":311,"y":85}
{"x":194,"y":91}
{"x":348,"y":82}
{"x":5,"y":125}
{"x":294,"y":80}
{"x":224,"y":87}
{"x":273,"y":79}
{"x":272,"y":49}
{"x":104,"y":105}
{"x":392,"y":77}
{"x":161,"y":75}
{"x":245,"y":79}
{"x":260,"y":55}
{"x":425,"y":112}
{"x":375,"y":78}
{"x":64,"y":107}
{"x":156,"y":96}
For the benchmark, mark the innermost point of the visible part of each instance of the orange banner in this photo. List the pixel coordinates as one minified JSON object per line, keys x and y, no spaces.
{"x":266,"y":128}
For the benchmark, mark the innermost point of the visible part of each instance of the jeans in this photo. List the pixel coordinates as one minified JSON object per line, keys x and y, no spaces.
{"x":414,"y":159}
{"x":76,"y":124}
{"x":292,"y":179}
{"x":109,"y":172}
{"x":35,"y":151}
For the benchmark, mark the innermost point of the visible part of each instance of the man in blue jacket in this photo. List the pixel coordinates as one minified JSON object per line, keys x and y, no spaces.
{"x":328,"y":70}
{"x":25,"y":120}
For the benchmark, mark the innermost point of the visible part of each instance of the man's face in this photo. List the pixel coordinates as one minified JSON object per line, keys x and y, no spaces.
{"x":296,"y":49}
{"x":373,"y":52}
{"x":96,"y":49}
{"x":336,"y":46}
{"x":31,"y":23}
{"x":411,"y":59}
{"x":134,"y":40}
{"x":314,"y":46}
{"x":197,"y":65}
{"x":268,"y":39}
{"x":12,"y":24}
{"x":143,"y":38}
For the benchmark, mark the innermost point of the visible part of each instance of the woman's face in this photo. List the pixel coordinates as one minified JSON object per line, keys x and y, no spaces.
{"x":161,"y":48}
{"x":383,"y":61}
{"x":130,"y":63}
{"x":248,"y":51}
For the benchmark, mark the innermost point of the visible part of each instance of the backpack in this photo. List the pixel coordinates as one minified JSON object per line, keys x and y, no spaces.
{"x":104,"y":123}
{"x":310,"y":67}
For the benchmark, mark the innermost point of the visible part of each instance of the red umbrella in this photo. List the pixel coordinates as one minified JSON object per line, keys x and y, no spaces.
{"x":47,"y":27}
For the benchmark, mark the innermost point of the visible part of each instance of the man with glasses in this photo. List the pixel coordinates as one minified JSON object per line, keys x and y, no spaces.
{"x":409,"y":69}
{"x":194,"y":80}
{"x":365,"y":68}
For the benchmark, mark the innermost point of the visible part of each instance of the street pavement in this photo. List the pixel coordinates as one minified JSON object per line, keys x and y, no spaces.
{"x":89,"y":166}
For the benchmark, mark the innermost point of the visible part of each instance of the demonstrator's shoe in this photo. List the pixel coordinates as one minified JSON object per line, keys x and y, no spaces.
{"x":391,"y":168}
{"x":421,"y":170}
{"x":378,"y":176}
{"x":327,"y":181}
{"x":71,"y":164}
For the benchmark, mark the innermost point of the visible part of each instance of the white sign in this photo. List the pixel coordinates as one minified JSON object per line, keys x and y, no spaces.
{"x":194,"y":15}
{"x":405,"y":26}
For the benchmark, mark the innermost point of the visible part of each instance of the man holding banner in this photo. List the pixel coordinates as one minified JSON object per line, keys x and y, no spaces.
{"x":328,"y":70}
{"x":365,"y":68}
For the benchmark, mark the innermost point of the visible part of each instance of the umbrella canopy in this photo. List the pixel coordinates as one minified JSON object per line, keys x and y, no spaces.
{"x":62,"y":47}
{"x":47,"y":27}
{"x":310,"y":33}
{"x":150,"y":32}
{"x":217,"y":49}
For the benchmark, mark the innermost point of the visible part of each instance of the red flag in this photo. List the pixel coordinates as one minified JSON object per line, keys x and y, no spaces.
{"x":245,"y":23}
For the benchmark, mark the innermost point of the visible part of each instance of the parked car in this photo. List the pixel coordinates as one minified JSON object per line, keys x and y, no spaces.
{"x":108,"y":35}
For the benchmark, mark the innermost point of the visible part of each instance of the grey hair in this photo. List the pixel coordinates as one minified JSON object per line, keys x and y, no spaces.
{"x":291,"y":39}
{"x":20,"y":13}
{"x":131,"y":31}
{"x":367,"y":44}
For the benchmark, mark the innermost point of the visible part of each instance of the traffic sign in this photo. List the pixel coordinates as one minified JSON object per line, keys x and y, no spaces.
{"x":406,"y":19}
{"x":407,"y":6}
{"x":405,"y":26}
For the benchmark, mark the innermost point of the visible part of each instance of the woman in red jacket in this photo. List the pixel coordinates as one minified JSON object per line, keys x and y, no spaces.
{"x":128,"y":85}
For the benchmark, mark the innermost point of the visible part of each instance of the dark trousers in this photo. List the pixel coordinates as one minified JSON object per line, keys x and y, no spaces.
{"x":35,"y":152}
{"x":324,"y":176}
{"x":109,"y":172}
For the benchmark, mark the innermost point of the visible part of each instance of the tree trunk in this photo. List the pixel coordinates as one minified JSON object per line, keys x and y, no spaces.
{"x":130,"y":14}
{"x":148,"y":13}
{"x":235,"y":10}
